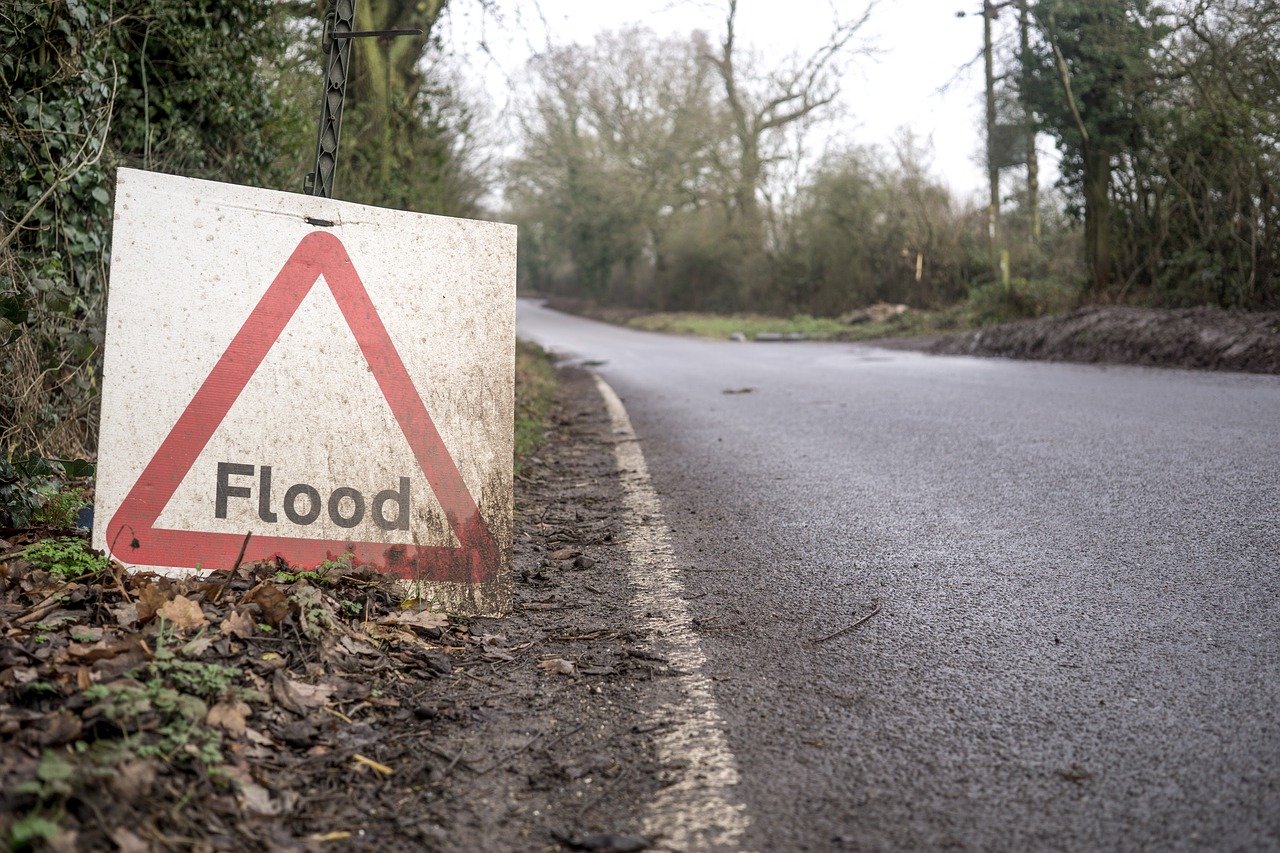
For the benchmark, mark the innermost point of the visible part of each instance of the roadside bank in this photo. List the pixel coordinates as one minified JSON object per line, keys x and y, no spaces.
{"x":320,"y":710}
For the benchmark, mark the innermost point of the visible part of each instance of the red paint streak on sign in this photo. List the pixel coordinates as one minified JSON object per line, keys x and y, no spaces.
{"x":319,"y":253}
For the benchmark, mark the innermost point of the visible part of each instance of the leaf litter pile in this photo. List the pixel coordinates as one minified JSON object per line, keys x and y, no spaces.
{"x":269,"y":708}
{"x":120,"y":691}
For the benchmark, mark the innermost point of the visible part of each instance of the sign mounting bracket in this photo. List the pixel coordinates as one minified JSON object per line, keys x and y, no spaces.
{"x":338,"y":34}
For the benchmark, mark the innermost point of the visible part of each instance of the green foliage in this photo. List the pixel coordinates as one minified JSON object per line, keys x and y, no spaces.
{"x":724,"y":325}
{"x":61,"y":506}
{"x":1022,"y":299}
{"x":91,"y":85}
{"x":320,"y":574}
{"x":872,"y":229}
{"x":1176,"y":173}
{"x":29,"y":485}
{"x":408,"y":137}
{"x":65,"y":557}
{"x":31,"y":829}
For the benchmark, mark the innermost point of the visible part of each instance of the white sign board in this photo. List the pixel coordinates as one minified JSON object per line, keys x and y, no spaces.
{"x":314,"y":377}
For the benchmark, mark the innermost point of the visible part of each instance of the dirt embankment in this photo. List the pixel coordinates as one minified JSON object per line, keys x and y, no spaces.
{"x":1196,"y":338}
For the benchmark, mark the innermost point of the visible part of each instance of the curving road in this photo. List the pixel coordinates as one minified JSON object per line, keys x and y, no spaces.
{"x":1078,"y":569}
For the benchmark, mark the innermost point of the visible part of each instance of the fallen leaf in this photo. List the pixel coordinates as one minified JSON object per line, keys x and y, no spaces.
{"x":127,"y":841}
{"x":565,"y":554}
{"x":197,"y":646}
{"x":183,"y":613}
{"x":558,"y":666}
{"x":230,"y":716}
{"x":58,"y":728}
{"x":133,"y":779}
{"x":256,"y":799}
{"x":239,"y":624}
{"x":125,"y":615}
{"x":273,"y":603}
{"x":297,"y":696}
{"x":101,"y":650}
{"x":416,"y":619}
{"x":150,"y":599}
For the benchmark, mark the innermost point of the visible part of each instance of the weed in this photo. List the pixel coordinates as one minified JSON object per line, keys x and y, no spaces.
{"x":320,"y":574}
{"x":60,"y":508}
{"x":182,"y":737}
{"x":202,"y":679}
{"x":33,"y":828}
{"x":182,"y":732}
{"x":66,"y":557}
{"x":54,"y":776}
{"x":26,"y":484}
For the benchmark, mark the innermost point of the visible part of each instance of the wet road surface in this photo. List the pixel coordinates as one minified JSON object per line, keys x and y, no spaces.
{"x":1078,"y":570}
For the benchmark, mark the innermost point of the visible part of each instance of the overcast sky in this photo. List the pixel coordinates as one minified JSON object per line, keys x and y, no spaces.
{"x":922,"y":50}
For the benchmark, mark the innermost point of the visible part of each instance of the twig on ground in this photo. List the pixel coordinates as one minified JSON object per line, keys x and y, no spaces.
{"x":855,"y":626}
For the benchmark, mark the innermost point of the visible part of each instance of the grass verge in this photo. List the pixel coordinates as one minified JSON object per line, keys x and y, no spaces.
{"x":722,"y":326}
{"x":535,"y":389}
{"x":985,"y":305}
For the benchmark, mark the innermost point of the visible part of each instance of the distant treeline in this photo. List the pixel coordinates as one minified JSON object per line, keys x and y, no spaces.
{"x":667,"y":173}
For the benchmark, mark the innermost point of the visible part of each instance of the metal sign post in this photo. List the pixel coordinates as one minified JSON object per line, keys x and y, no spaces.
{"x":338,"y":34}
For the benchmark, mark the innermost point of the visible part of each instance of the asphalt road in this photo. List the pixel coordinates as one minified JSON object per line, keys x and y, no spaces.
{"x":1078,"y":569}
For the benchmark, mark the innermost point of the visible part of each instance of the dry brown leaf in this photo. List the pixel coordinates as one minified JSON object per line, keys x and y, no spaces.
{"x":256,"y":799}
{"x":565,"y":554}
{"x":240,"y":624}
{"x":396,"y":634}
{"x":102,"y":649}
{"x":230,"y":716}
{"x":183,"y":613}
{"x":558,"y":666}
{"x":127,"y":841}
{"x":297,"y":696}
{"x":416,"y":619}
{"x":125,"y":614}
{"x":133,"y":779}
{"x":150,"y":599}
{"x":273,"y":602}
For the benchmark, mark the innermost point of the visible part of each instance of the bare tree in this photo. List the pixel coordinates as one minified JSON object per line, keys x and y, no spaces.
{"x":769,"y":104}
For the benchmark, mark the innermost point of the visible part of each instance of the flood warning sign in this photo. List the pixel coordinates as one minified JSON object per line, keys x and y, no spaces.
{"x":324,"y":377}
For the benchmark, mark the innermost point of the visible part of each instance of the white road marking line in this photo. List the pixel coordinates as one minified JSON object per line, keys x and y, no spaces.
{"x":698,"y":811}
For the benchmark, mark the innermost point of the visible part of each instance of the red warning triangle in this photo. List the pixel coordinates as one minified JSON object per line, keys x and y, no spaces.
{"x":319,"y":253}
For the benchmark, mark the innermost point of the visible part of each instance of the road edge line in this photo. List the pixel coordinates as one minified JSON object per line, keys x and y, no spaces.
{"x":696,"y":811}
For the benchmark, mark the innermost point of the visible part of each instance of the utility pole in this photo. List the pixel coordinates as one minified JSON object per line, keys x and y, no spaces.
{"x":1033,"y":163}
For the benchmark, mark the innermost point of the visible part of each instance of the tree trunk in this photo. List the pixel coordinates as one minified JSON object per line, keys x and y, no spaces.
{"x":1097,"y":215}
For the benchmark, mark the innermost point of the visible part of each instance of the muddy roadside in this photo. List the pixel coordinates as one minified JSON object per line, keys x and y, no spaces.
{"x":285,"y":710}
{"x":1192,"y":338}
